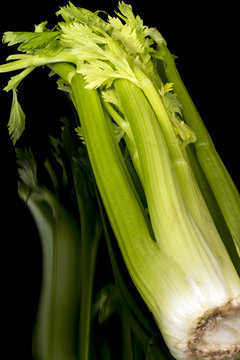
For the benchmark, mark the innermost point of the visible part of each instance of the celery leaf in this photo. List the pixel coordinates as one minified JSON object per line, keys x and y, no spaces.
{"x":15,"y":80}
{"x":133,"y":34}
{"x":80,"y":134}
{"x":174,"y":109}
{"x":16,"y":123}
{"x":111,"y":96}
{"x":30,"y":42}
{"x":72,"y":13}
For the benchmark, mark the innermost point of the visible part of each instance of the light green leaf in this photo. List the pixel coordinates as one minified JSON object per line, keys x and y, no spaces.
{"x":16,"y":123}
{"x":118,"y":131}
{"x":128,"y":16}
{"x":174,"y":109}
{"x":133,"y":36}
{"x":101,"y":59}
{"x":41,"y":27}
{"x":72,"y":13}
{"x":75,"y":34}
{"x":30,"y":42}
{"x":110,"y":96}
{"x":169,"y":87}
{"x":80,"y":134}
{"x":171,"y":101}
{"x":127,"y":35}
{"x":15,"y":80}
{"x":63,"y":86}
{"x":98,"y":73}
{"x":157,"y":37}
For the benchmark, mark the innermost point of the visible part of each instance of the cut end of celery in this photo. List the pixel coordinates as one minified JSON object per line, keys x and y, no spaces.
{"x":217,"y":334}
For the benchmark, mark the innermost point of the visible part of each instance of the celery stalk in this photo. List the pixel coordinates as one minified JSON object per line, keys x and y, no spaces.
{"x":123,"y":207}
{"x":91,"y":230}
{"x":98,"y":139}
{"x":213,"y":207}
{"x":216,"y":173}
{"x":168,"y":239}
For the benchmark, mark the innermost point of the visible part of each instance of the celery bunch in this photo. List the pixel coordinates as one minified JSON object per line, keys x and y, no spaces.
{"x":167,"y":195}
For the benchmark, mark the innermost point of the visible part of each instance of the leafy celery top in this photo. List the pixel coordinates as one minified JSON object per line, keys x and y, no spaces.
{"x":102,"y":51}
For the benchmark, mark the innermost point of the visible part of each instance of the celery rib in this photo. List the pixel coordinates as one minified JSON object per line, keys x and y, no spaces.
{"x":224,"y":189}
{"x":123,"y":209}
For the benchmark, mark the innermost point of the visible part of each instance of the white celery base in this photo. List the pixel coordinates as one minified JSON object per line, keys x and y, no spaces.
{"x":217,"y":334}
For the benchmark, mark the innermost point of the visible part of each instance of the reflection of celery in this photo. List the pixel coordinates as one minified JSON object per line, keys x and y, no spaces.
{"x":69,"y":254}
{"x":158,"y":207}
{"x":91,"y":230}
{"x":55,"y":330}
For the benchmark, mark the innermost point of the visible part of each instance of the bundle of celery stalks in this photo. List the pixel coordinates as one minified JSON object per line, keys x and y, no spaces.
{"x":135,"y":171}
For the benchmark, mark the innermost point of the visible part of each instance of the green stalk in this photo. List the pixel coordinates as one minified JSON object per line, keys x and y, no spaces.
{"x":188,"y":184}
{"x":216,"y":173}
{"x":200,"y":260}
{"x":186,"y":269}
{"x":125,"y":213}
{"x":128,"y":137}
{"x":155,"y":161}
{"x":127,"y":350}
{"x":139,"y":323}
{"x":88,"y":262}
{"x":213,"y":206}
{"x":23,"y":61}
{"x":165,"y":123}
{"x":119,"y":120}
{"x":65,"y":70}
{"x":56,"y":325}
{"x":42,"y":333}
{"x":131,"y":146}
{"x":91,"y":231}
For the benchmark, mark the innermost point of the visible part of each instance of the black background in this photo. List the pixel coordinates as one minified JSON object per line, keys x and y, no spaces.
{"x":204,"y":36}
